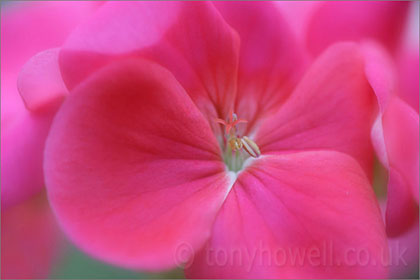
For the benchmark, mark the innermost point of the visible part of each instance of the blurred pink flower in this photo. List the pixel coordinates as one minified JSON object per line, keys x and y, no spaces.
{"x":136,"y":165}
{"x":26,"y":29}
{"x":392,"y":68}
{"x":29,"y":234}
{"x":335,"y":21}
{"x":395,"y":136}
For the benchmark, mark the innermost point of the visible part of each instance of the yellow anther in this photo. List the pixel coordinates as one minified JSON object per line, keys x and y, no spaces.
{"x":250,"y":147}
{"x":235,"y":143}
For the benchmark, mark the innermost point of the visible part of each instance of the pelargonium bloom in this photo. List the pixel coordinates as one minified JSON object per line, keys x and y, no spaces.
{"x":30,"y":239}
{"x":395,"y":134}
{"x":24,"y":129}
{"x":346,"y":20}
{"x":137,"y":166}
{"x":389,"y":36}
{"x":388,"y":41}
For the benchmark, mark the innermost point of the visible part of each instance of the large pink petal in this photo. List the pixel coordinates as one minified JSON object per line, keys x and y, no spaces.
{"x":297,"y":215}
{"x":270,"y":62}
{"x":29,"y":240}
{"x":401,"y":137}
{"x":132,"y":167}
{"x":190,"y":39}
{"x":351,"y":20}
{"x":26,"y":29}
{"x":331,"y":108}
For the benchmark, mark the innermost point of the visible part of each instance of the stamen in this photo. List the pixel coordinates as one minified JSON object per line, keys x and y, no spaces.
{"x":234,"y":143}
{"x":250,"y":147}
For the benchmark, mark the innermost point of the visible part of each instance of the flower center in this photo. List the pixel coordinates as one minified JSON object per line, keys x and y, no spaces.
{"x":236,"y":149}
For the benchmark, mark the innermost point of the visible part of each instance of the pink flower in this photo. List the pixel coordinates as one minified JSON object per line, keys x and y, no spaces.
{"x":26,"y":29}
{"x":392,"y":69}
{"x":347,"y":20}
{"x":29,"y":233}
{"x":138,"y":170}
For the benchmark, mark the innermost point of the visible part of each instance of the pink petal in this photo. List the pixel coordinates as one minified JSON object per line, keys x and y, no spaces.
{"x":401,"y":133}
{"x":270,"y":62}
{"x":401,"y":209}
{"x":408,"y":59}
{"x":29,"y":240}
{"x":380,"y":72}
{"x":22,"y":149}
{"x":190,"y":39}
{"x":351,"y":20}
{"x":395,"y":143}
{"x":331,"y":108}
{"x":40,"y":83}
{"x":133,"y":168}
{"x":408,"y":70}
{"x":401,"y":136}
{"x":318,"y":205}
{"x":298,"y":14}
{"x":26,"y":29}
{"x":44,"y":24}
